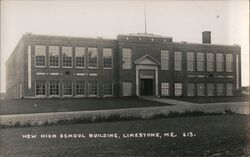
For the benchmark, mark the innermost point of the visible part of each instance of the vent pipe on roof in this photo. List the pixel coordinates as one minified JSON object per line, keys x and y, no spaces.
{"x":206,"y":37}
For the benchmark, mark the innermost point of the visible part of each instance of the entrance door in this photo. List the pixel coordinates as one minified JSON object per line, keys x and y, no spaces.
{"x":147,"y":87}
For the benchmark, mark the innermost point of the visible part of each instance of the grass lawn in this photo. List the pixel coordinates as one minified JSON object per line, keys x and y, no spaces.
{"x":215,"y":136}
{"x":202,"y":100}
{"x":23,"y":106}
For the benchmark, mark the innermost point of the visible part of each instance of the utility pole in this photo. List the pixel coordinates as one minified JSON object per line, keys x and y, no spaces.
{"x":145,"y":17}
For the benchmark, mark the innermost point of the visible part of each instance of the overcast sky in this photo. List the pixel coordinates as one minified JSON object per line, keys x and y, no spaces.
{"x":182,"y":20}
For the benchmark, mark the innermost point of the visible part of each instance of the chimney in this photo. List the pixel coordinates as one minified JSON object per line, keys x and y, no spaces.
{"x":206,"y":37}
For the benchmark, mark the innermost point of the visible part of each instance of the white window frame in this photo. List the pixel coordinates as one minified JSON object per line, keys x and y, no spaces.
{"x":229,"y":63}
{"x":112,"y":88}
{"x":93,"y":95}
{"x":85,"y":57}
{"x":39,"y":95}
{"x":63,"y":88}
{"x":165,"y":89}
{"x":84,"y":83}
{"x":210,"y":62}
{"x":64,"y":48}
{"x":111,"y":57}
{"x":127,"y":62}
{"x":164,"y":59}
{"x":91,"y":67}
{"x":176,"y":88}
{"x":124,"y":85}
{"x":57,"y":95}
{"x":52,"y":66}
{"x":188,"y":89}
{"x":200,"y":63}
{"x":177,"y":61}
{"x":39,"y":66}
{"x":190,"y":60}
{"x":222,"y":62}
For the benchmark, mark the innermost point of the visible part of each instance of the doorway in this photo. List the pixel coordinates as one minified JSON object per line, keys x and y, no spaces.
{"x":147,"y":86}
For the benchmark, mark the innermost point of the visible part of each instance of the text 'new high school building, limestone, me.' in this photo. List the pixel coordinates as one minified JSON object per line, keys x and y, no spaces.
{"x":131,"y":65}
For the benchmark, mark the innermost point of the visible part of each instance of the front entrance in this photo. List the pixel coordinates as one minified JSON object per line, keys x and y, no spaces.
{"x":147,"y":86}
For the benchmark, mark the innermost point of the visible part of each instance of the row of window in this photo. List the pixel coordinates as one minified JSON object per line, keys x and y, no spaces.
{"x":200,"y":61}
{"x":67,"y":57}
{"x":67,"y":88}
{"x":199,"y":89}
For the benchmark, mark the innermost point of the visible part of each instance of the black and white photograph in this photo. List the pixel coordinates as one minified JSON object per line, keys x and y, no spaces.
{"x":123,"y":78}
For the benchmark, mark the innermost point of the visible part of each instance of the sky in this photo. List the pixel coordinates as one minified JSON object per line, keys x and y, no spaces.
{"x":182,"y":20}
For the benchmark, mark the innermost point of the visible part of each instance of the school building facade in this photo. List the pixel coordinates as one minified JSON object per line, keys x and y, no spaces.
{"x":131,"y":65}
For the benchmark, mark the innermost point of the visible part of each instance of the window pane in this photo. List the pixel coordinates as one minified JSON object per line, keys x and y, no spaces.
{"x":53,"y":56}
{"x":219,"y":62}
{"x":164,"y":60}
{"x":108,"y":88}
{"x":200,"y":89}
{"x":178,"y":89}
{"x":80,"y":56}
{"x":80,"y":88}
{"x":40,"y":53}
{"x":54,"y":88}
{"x":177,"y":61}
{"x":190,"y":61}
{"x":92,"y":56}
{"x":229,"y":62}
{"x":126,"y":58}
{"x":40,"y":88}
{"x":210,"y":62}
{"x":67,"y":88}
{"x":220,"y":89}
{"x":164,"y":88}
{"x":127,"y":88}
{"x":107,"y":58}
{"x":229,"y":91}
{"x":210,"y":89}
{"x":190,"y":89}
{"x":92,"y":88}
{"x":200,"y":61}
{"x":67,"y":56}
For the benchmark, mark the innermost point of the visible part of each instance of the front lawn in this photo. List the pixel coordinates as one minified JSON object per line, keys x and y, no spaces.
{"x":202,"y":100}
{"x":215,"y":136}
{"x":23,"y":106}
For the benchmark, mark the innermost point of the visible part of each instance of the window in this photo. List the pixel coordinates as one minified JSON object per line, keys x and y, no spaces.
{"x":92,"y":88}
{"x":200,"y":61}
{"x":53,"y":56}
{"x":190,"y":89}
{"x":67,"y":56}
{"x":210,"y":89}
{"x":67,"y":88}
{"x":127,"y":88}
{"x":92,"y":55}
{"x":40,"y":53}
{"x":80,"y":88}
{"x":107,"y":58}
{"x":229,"y":62}
{"x":178,"y":89}
{"x":164,"y":88}
{"x":200,"y":89}
{"x":219,"y":62}
{"x":220,"y":89}
{"x":164,"y":60}
{"x":229,"y":91}
{"x":190,"y":61}
{"x":177,"y":61}
{"x":126,"y":58}
{"x":210,"y":62}
{"x":107,"y":88}
{"x":54,"y":88}
{"x":40,"y":88}
{"x":80,"y":57}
